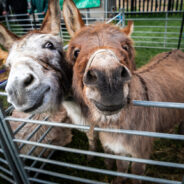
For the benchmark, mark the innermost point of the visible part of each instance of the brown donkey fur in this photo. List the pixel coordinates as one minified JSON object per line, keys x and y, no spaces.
{"x":90,"y":32}
{"x":42,"y":53}
{"x":105,"y":91}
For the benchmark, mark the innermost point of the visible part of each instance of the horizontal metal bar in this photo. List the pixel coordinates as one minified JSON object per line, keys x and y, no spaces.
{"x":33,"y":132}
{"x":148,"y":26}
{"x":123,"y":131}
{"x":59,"y":175}
{"x":70,"y":165}
{"x":158,"y":104}
{"x":3,"y":94}
{"x":22,"y":125}
{"x":41,"y":181}
{"x":153,"y":37}
{"x":3,"y":161}
{"x":6,"y":178}
{"x":113,"y":18}
{"x":104,"y":155}
{"x":1,"y":151}
{"x":43,"y":164}
{"x":152,"y":42}
{"x":114,"y":173}
{"x":150,"y":19}
{"x":40,"y":140}
{"x":149,"y":47}
{"x":6,"y":171}
{"x":119,"y":22}
{"x":65,"y":47}
{"x":151,"y":32}
{"x":40,"y":154}
{"x":9,"y":109}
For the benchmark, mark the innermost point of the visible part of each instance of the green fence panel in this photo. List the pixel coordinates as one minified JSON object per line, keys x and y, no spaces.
{"x":84,"y":3}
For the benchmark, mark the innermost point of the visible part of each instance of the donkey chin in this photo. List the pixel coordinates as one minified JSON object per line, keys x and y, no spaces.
{"x":106,"y":108}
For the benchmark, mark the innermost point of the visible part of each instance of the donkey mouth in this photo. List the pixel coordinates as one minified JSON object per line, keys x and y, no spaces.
{"x":37,"y":103}
{"x":108,"y":110}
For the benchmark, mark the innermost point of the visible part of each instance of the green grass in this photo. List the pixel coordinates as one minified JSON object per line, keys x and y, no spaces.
{"x":151,"y":31}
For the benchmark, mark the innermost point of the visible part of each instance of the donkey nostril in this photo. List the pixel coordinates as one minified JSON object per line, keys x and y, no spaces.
{"x":29,"y":80}
{"x":91,"y":76}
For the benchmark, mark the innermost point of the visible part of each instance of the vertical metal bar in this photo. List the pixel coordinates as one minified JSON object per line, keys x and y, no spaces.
{"x":181,"y":5}
{"x":119,"y":7}
{"x":5,"y":128}
{"x":165,"y":32}
{"x":34,"y":21}
{"x":6,"y":149}
{"x":181,"y":32}
{"x":87,"y":18}
{"x":7,"y":22}
{"x":106,"y":9}
{"x":123,"y":17}
{"x":8,"y":157}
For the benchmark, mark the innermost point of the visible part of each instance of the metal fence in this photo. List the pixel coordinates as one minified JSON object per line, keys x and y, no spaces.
{"x":27,"y":168}
{"x":161,"y":31}
{"x":49,"y":167}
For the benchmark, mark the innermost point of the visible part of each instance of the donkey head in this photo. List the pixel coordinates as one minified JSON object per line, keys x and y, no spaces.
{"x":103,"y":60}
{"x":39,"y":75}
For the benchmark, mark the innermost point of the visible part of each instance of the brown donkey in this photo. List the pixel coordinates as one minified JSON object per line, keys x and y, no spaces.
{"x":104,"y":84}
{"x":39,"y":76}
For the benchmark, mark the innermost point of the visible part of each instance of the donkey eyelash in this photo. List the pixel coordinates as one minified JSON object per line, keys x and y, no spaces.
{"x":125,"y":47}
{"x":76,"y":52}
{"x":48,"y":45}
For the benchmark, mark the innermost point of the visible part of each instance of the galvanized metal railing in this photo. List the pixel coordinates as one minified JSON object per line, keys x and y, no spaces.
{"x":159,"y":32}
{"x":48,"y":160}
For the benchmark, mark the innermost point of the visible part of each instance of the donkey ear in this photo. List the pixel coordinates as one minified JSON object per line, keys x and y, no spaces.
{"x":52,"y":21}
{"x":7,"y":38}
{"x":128,"y":30}
{"x":3,"y":56}
{"x":72,"y":17}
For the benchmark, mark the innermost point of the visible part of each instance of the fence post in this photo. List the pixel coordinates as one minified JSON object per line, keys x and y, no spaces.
{"x":181,"y":32}
{"x":34,"y":21}
{"x":123,"y":17}
{"x":7,"y":22}
{"x":7,"y":156}
{"x":11,"y":152}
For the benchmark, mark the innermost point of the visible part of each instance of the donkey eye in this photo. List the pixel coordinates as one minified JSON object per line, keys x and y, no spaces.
{"x":48,"y":45}
{"x":76,"y":53}
{"x":125,"y":47}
